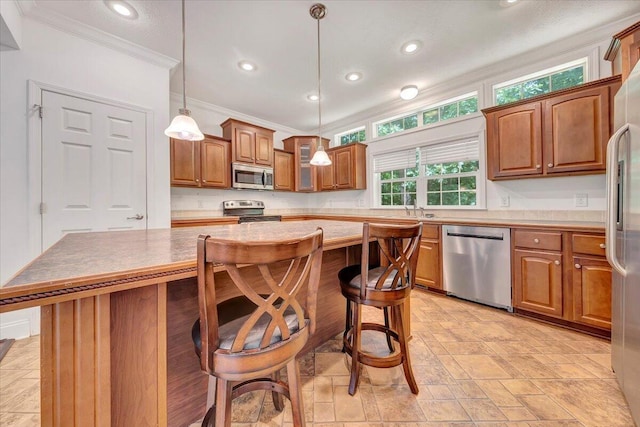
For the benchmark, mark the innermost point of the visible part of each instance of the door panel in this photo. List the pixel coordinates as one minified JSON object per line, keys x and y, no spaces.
{"x":93,"y":167}
{"x":538,"y":282}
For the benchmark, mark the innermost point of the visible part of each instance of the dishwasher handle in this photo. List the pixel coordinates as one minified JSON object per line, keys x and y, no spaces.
{"x":475,"y":236}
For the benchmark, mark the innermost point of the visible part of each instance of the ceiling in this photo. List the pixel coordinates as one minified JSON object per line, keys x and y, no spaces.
{"x":458,"y":37}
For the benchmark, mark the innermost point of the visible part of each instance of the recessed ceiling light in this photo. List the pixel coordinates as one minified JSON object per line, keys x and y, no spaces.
{"x":409,"y":92}
{"x":507,"y":3}
{"x":247,"y":66}
{"x":122,"y":8}
{"x":353,"y":77}
{"x":411,"y":47}
{"x":312,"y":97}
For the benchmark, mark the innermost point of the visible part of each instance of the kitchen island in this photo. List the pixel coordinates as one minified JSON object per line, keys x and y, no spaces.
{"x":117,"y":310}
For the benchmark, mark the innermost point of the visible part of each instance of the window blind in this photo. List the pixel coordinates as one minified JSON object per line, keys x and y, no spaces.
{"x":395,"y":160}
{"x":457,"y":151}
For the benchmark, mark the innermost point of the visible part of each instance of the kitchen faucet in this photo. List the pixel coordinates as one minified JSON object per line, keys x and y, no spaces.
{"x":407,"y":210}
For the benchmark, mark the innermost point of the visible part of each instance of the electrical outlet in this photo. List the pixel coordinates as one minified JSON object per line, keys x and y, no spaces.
{"x":200,"y":204}
{"x":504,"y":201}
{"x":581,"y":200}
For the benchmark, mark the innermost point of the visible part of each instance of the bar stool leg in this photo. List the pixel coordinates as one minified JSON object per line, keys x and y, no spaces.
{"x":295,"y":393}
{"x":348,"y":324}
{"x":356,"y":336}
{"x":387,"y":325}
{"x":402,"y":338}
{"x":278,"y":400}
{"x":223,"y":403}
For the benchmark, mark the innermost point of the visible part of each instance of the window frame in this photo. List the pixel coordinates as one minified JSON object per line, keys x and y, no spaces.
{"x":337,"y":137}
{"x":547,"y":72}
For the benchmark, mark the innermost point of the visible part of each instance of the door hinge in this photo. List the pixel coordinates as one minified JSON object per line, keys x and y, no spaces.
{"x":43,"y":208}
{"x":39,"y":107}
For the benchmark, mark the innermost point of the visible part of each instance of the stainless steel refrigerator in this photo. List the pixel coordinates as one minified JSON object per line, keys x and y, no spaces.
{"x":623,"y":239}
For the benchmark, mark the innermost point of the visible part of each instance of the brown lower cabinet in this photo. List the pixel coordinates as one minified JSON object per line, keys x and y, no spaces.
{"x":562,"y":275}
{"x":429,"y":268}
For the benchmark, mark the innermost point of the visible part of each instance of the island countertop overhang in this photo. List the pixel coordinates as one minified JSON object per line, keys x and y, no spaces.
{"x":103,"y":262}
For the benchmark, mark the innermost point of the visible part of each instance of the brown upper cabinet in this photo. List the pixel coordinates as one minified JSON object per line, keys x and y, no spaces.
{"x":303,"y":148}
{"x":282,"y":170}
{"x":347,"y":170}
{"x":203,"y":163}
{"x":624,"y":51}
{"x":249,"y":143}
{"x":559,"y":133}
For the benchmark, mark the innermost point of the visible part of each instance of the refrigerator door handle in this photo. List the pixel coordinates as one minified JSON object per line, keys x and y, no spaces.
{"x":612,"y":199}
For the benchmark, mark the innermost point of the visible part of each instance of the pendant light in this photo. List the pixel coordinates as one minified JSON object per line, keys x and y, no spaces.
{"x":183,"y":126}
{"x":320,"y":158}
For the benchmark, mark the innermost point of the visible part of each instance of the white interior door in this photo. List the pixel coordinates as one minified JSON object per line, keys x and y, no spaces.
{"x":93,"y":167}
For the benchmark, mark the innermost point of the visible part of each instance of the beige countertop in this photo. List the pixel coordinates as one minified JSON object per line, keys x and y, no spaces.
{"x":85,"y":259}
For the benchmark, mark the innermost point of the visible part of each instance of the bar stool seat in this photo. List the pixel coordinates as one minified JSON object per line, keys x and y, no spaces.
{"x":387,"y":287}
{"x":244,"y":341}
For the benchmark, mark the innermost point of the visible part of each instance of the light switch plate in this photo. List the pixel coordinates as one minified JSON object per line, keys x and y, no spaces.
{"x":504,"y":201}
{"x":581,"y":200}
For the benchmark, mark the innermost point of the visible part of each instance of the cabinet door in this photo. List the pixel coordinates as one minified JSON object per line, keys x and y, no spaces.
{"x":576,"y":131}
{"x":185,"y":162}
{"x":244,"y":141}
{"x":215,"y":163}
{"x":305,"y":173}
{"x":343,"y":168}
{"x":283,"y":171}
{"x":514,"y":141}
{"x":264,"y":149}
{"x":538,"y":282}
{"x":428,"y":268}
{"x":327,"y":173}
{"x":592,"y":292}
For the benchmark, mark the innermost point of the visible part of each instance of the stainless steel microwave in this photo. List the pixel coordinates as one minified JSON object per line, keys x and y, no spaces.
{"x":251,"y":177}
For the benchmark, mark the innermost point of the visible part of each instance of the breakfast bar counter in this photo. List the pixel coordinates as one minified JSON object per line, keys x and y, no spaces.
{"x":117,"y":310}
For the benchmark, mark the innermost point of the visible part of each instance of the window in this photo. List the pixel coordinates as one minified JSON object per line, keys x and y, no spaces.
{"x":397,"y":125}
{"x":448,"y":175}
{"x":561,"y":77}
{"x":353,"y":135}
{"x":397,"y":174}
{"x":449,"y":109}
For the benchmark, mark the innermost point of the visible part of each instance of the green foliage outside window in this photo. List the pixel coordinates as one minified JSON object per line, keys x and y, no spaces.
{"x":540,"y":85}
{"x":357,"y":136}
{"x":397,"y":125}
{"x":398,"y":187}
{"x":450,"y":111}
{"x":452,"y":183}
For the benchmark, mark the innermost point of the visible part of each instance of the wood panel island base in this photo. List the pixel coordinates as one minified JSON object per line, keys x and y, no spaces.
{"x":117,"y":311}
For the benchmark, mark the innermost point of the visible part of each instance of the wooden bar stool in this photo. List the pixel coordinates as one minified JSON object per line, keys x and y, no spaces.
{"x":387,"y":287}
{"x":244,"y":341}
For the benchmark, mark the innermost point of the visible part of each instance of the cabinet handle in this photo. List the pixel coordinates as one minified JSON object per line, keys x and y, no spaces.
{"x":556,"y":262}
{"x":603,"y":246}
{"x":538,"y":166}
{"x":536,"y":240}
{"x":577,"y":266}
{"x":197,"y":180}
{"x":549,"y":165}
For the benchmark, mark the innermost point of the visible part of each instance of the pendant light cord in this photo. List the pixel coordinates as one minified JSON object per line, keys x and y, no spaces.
{"x":184,"y":67}
{"x":319,"y":96}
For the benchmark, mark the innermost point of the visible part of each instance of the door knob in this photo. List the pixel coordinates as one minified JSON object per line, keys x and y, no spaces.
{"x":137,"y":217}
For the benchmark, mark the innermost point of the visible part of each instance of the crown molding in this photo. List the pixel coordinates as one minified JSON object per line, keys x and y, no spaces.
{"x":30,"y":9}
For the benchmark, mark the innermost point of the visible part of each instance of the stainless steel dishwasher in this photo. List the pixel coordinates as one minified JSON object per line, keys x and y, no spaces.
{"x":477,"y":264}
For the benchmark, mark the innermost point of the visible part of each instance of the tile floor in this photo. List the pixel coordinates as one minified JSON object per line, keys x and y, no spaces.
{"x":475,"y":366}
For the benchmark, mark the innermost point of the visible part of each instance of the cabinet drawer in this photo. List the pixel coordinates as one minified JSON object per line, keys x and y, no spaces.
{"x":538,"y":240}
{"x":588,"y":244}
{"x":430,"y":231}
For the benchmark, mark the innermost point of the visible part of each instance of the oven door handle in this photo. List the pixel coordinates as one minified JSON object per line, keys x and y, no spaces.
{"x":264,"y":178}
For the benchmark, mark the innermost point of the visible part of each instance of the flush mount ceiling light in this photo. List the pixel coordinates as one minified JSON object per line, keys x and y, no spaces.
{"x":247,"y":66}
{"x":353,"y":76}
{"x":122,"y":8}
{"x":183,"y":126}
{"x":320,"y":158}
{"x":313,"y":97}
{"x":409,"y":92}
{"x":411,"y":47}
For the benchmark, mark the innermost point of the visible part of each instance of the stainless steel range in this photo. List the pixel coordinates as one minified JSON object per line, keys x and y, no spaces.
{"x":247,"y":211}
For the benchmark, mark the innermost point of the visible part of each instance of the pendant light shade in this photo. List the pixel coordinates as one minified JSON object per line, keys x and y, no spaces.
{"x":183,"y":126}
{"x":320,"y":158}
